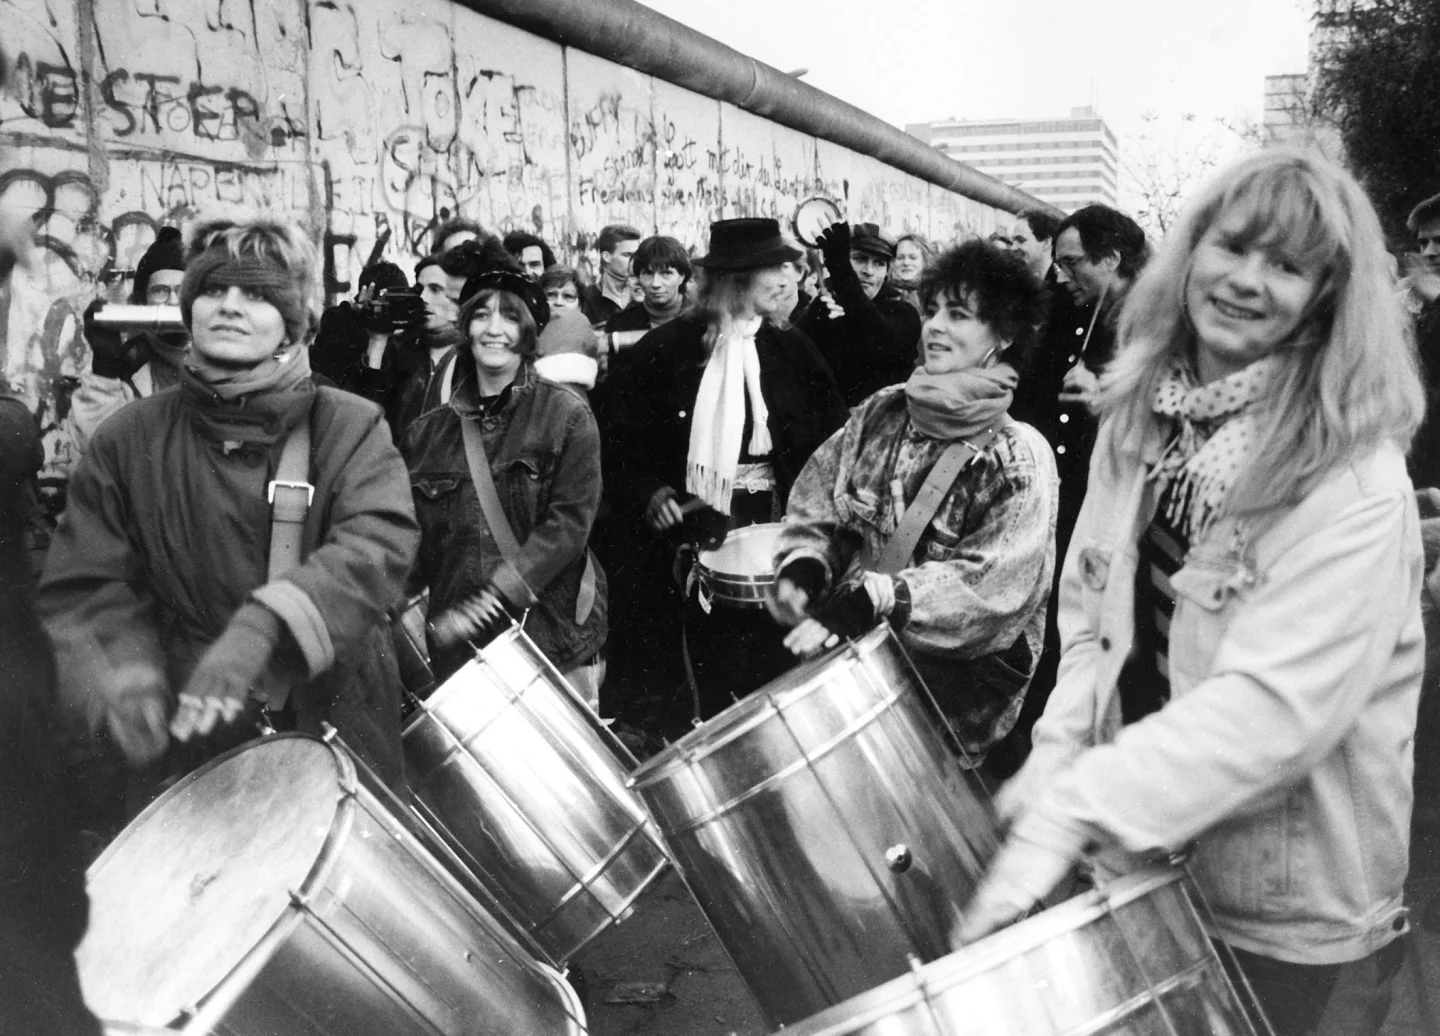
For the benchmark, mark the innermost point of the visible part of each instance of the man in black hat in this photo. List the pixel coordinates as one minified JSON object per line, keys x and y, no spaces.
{"x":863,"y":327}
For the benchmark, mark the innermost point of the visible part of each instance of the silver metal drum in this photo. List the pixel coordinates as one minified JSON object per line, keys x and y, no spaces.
{"x":272,"y":891}
{"x":825,"y":828}
{"x":740,"y":572}
{"x":1128,"y":959}
{"x":528,"y":788}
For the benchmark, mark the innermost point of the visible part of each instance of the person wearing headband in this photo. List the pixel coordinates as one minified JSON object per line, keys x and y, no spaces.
{"x":967,"y":595}
{"x":707,"y":423}
{"x":539,"y":441}
{"x":175,"y":623}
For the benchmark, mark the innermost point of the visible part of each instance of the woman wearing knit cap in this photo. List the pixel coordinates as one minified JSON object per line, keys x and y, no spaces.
{"x":1240,"y":606}
{"x":539,"y":443}
{"x":142,"y":364}
{"x":177,"y":614}
{"x":716,"y":412}
{"x":967,"y":592}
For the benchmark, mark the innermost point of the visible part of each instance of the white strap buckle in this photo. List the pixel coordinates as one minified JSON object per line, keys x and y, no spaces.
{"x":281,"y":483}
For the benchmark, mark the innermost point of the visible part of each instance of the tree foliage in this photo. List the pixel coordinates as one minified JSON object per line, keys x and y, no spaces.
{"x":1378,"y":80}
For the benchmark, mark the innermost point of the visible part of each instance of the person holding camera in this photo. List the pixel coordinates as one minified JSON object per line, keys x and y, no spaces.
{"x":126,"y":368}
{"x":384,"y":305}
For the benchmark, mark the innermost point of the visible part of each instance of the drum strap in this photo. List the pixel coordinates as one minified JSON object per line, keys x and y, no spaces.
{"x":290,"y":496}
{"x":500,"y":527}
{"x":901,"y":547}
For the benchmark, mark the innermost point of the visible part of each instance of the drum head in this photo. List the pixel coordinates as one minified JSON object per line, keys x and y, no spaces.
{"x":196,"y":880}
{"x":813,"y":217}
{"x":747,"y":552}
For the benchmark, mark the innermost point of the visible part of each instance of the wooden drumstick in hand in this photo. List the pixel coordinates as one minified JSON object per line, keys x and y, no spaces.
{"x":468,"y":619}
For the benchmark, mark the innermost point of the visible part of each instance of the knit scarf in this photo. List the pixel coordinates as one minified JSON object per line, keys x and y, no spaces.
{"x":259,"y":405}
{"x":959,"y":404}
{"x":1214,"y":440}
{"x":731,"y":375}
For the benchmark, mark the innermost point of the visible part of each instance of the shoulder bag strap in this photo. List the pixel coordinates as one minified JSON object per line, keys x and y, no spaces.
{"x":500,"y":525}
{"x":290,"y":496}
{"x":901,"y":546}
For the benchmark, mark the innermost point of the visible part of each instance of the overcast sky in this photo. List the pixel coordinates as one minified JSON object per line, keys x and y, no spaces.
{"x":918,"y":60}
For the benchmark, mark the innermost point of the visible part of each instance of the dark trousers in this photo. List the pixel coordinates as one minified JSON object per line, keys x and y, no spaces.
{"x":1319,"y":1000}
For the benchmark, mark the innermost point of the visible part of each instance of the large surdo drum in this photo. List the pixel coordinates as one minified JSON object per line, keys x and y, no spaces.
{"x":528,"y":788}
{"x":824,"y":827}
{"x":1130,"y":958}
{"x":273,"y":891}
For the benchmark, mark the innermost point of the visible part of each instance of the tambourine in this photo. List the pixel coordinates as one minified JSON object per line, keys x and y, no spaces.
{"x":812,"y":218}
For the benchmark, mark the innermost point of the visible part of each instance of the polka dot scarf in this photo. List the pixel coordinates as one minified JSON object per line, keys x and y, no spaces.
{"x":1215,"y":433}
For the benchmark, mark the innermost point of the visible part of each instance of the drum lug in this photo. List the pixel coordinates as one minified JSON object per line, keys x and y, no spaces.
{"x":898,"y":858}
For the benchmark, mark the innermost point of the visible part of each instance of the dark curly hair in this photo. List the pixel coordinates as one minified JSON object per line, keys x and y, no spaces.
{"x":1003,"y":291}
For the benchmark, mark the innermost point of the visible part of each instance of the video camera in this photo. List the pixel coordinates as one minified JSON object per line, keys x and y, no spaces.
{"x":394,"y":309}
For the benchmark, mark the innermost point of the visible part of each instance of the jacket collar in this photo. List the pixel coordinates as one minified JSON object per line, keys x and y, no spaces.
{"x":466,"y":399}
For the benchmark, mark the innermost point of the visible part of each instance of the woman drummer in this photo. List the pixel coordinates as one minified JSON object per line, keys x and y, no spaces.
{"x":539,"y":442}
{"x":967,"y":596}
{"x":707,"y":425}
{"x":1239,"y":609}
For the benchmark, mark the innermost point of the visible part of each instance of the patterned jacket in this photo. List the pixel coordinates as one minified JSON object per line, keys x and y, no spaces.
{"x":981,"y":574}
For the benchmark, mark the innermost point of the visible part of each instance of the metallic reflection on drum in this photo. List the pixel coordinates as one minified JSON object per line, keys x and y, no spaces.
{"x":528,"y":788}
{"x":824,"y":827}
{"x":1131,"y":958}
{"x":273,"y":889}
{"x":740,"y":572}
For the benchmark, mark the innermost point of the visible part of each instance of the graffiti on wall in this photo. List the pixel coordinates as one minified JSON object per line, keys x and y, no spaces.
{"x":365,"y":122}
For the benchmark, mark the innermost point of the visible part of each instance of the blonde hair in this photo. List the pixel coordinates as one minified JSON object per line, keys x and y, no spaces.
{"x":1348,"y":377}
{"x":720,"y":296}
{"x":243,"y":234}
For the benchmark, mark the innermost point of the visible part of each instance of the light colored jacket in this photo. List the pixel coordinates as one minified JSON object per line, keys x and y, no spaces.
{"x":1285,"y":752}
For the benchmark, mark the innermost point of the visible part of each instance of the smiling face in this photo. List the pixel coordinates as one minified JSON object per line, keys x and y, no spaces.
{"x":954,"y":336}
{"x":235,"y":328}
{"x":909,"y":261}
{"x":495,"y":336}
{"x":532,"y":262}
{"x":1245,"y":296}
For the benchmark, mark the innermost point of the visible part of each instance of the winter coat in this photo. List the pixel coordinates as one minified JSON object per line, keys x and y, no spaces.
{"x":875,"y":344}
{"x":167,"y":534}
{"x":1295,"y":655}
{"x":982,"y":569}
{"x":544,"y":454}
{"x":651,"y":399}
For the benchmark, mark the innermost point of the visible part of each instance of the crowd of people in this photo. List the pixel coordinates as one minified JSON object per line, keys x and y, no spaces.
{"x":1156,"y":508}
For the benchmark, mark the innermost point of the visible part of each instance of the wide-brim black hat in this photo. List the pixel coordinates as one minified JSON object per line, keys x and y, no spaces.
{"x":747,"y":244}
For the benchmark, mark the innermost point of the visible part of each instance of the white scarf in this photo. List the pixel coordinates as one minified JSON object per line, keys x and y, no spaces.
{"x":1214,"y":440}
{"x":719,"y":418}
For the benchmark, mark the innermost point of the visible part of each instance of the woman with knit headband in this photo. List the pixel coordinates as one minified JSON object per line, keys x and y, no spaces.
{"x":707,"y":425}
{"x":967,"y":592}
{"x":1240,"y":607}
{"x":175,"y":620}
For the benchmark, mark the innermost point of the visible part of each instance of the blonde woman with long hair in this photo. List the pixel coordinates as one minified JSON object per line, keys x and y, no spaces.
{"x":1239,"y":612}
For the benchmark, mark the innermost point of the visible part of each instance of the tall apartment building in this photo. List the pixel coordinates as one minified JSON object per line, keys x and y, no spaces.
{"x":1068,"y":162}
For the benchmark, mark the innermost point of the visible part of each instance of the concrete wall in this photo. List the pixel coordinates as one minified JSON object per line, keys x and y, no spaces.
{"x":359,"y":118}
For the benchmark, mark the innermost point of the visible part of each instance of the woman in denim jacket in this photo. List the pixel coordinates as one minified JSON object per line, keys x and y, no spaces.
{"x":543,"y":451}
{"x":1239,"y":611}
{"x":969,"y":604}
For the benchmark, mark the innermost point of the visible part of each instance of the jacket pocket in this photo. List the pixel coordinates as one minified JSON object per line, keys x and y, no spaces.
{"x":1207,"y":593}
{"x":1254,"y":866}
{"x":434,"y":488}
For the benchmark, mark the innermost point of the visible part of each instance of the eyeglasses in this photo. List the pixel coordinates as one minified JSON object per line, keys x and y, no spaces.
{"x":1069,"y":262}
{"x":162,"y":293}
{"x":562,"y":296}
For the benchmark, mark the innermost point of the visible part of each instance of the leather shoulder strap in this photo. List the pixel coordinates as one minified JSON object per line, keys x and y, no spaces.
{"x":291,"y":495}
{"x":901,"y":547}
{"x":485,"y":489}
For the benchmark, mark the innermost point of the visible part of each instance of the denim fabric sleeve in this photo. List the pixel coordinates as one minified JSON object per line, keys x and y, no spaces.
{"x":980,"y":595}
{"x":559,"y":535}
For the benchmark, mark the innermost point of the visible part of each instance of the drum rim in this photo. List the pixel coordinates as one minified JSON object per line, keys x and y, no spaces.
{"x":745,"y":532}
{"x":696,"y":746}
{"x":986,"y":954}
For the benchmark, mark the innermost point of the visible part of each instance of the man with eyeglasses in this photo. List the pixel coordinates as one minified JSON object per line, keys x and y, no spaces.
{"x":122,"y":369}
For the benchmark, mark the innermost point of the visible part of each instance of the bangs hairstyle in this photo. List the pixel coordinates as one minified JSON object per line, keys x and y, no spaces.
{"x":266,"y":238}
{"x":1007,"y":296}
{"x":661,"y":253}
{"x":1348,"y":377}
{"x":511,"y":306}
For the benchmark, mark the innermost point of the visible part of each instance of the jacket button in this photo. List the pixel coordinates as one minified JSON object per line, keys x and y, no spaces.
{"x":682,"y":413}
{"x":1060,"y":448}
{"x":1064,"y":418}
{"x":1079,"y":330}
{"x":253,"y":458}
{"x":1104,"y":643}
